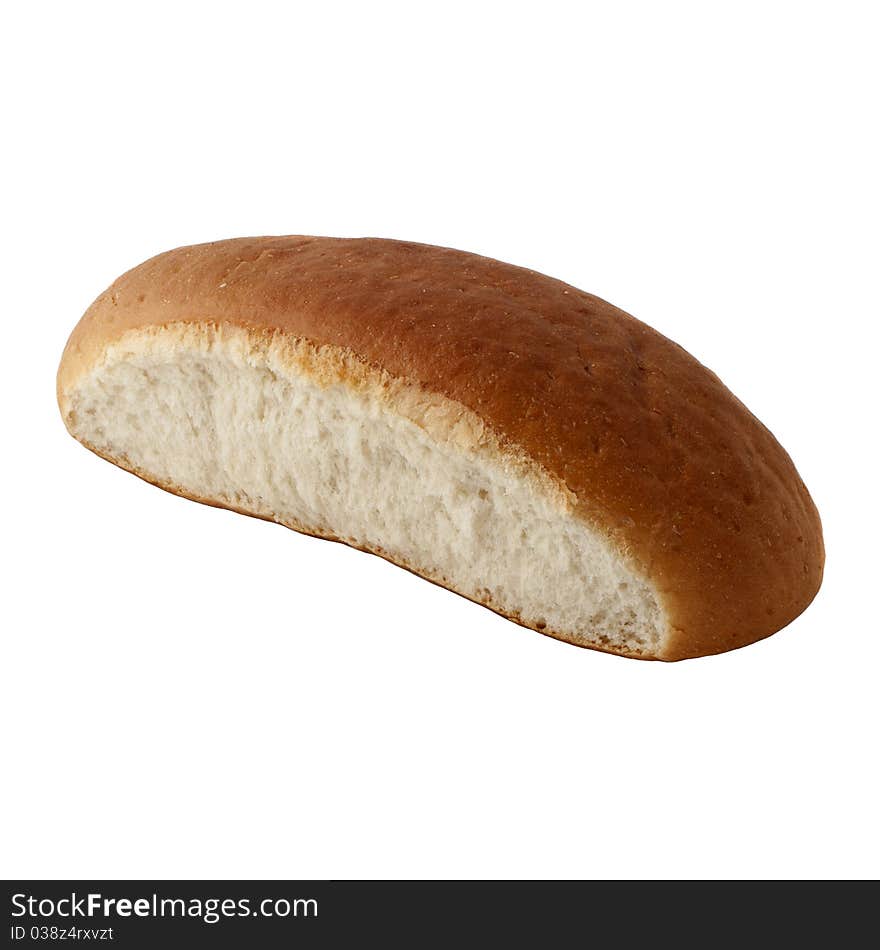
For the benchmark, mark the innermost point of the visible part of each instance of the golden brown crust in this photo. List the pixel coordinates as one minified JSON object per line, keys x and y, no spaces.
{"x":652,"y":445}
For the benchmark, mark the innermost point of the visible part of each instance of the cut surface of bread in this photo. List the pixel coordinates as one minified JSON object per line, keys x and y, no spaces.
{"x":500,"y":433}
{"x":295,"y":435}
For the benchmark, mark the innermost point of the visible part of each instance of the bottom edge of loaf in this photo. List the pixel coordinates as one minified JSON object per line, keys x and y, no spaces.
{"x":578,"y":640}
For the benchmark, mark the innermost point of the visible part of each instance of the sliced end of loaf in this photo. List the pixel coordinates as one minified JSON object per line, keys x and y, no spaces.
{"x":315,"y":439}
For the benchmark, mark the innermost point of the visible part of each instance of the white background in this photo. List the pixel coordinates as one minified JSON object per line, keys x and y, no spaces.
{"x":187,"y":692}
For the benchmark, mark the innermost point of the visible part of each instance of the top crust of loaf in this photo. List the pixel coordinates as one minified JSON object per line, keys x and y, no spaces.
{"x":655,"y":450}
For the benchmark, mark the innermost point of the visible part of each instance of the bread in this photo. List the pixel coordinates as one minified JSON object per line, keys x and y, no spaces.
{"x":499,"y":432}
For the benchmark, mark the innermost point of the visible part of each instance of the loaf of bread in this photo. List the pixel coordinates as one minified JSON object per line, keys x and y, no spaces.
{"x":496,"y":431}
